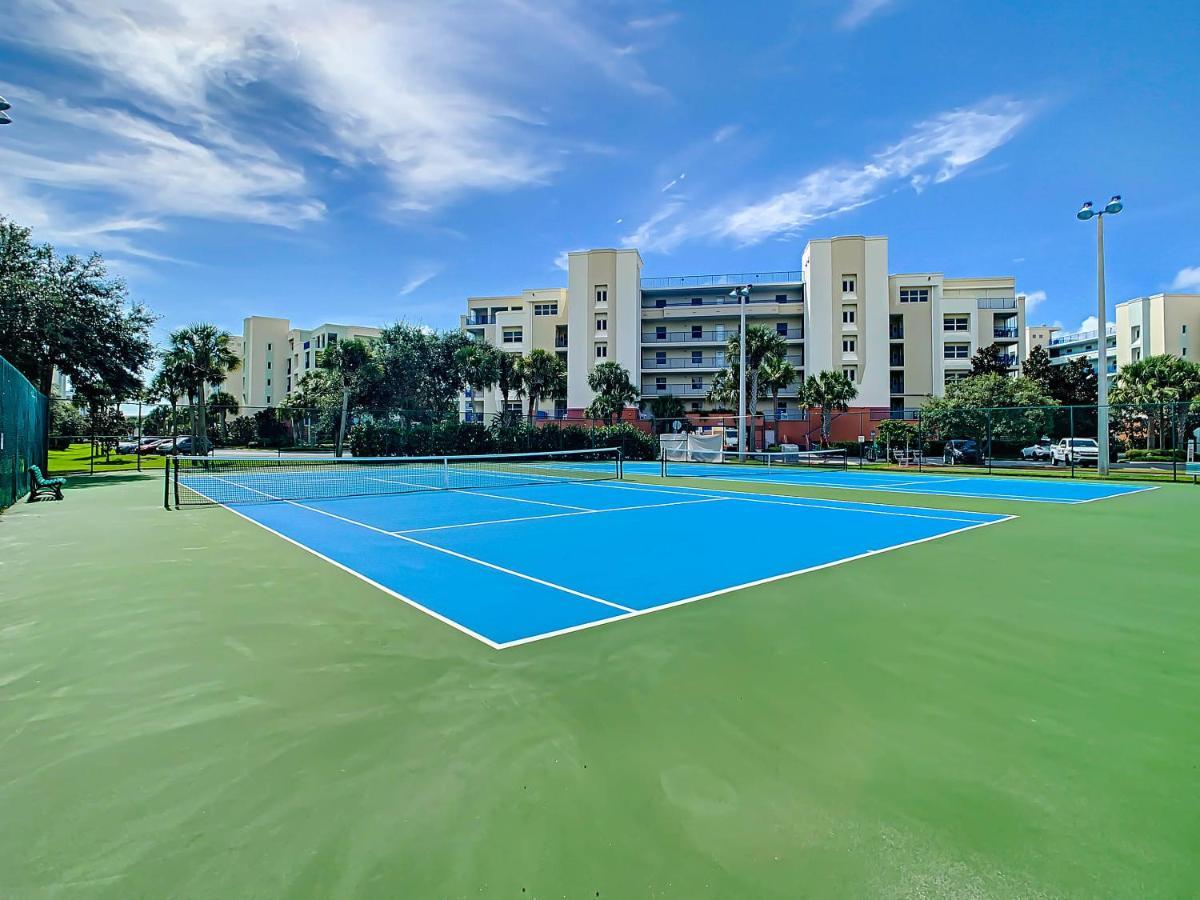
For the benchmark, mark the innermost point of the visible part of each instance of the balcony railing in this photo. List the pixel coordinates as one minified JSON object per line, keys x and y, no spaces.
{"x":730,"y":280}
{"x":791,"y":334}
{"x":664,"y":303}
{"x":705,"y":362}
{"x":895,"y":332}
{"x":1004,"y":332}
{"x":1076,"y":336}
{"x":560,"y":343}
{"x":1009,"y":361}
{"x":997,"y":302}
{"x":678,"y":390}
{"x":481,"y":319}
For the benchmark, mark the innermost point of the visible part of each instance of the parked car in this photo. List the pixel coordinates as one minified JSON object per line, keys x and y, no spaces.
{"x":158,"y":445}
{"x":149,"y":443}
{"x":1042,"y":450}
{"x":961,"y":452}
{"x":127,"y":446}
{"x":187,"y":445}
{"x":1076,"y":451}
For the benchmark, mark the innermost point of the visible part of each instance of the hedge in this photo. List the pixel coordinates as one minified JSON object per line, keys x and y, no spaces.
{"x":373,"y":438}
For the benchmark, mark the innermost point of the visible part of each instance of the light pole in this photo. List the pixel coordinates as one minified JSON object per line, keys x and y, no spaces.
{"x":1111,"y":208}
{"x":4,"y":105}
{"x":743,"y":296}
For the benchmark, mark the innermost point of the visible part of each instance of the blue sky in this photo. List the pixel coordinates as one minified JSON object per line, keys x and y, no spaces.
{"x":365,"y":162}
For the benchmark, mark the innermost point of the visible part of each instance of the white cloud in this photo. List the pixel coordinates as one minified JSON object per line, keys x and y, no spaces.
{"x":418,"y":279}
{"x":1034,"y":299}
{"x":1187,"y":279}
{"x":648,"y":22}
{"x":859,"y":11}
{"x":935,"y":151}
{"x":1089,"y":324}
{"x":725,"y":132}
{"x":415,"y":89}
{"x":674,"y":181}
{"x":561,"y":262}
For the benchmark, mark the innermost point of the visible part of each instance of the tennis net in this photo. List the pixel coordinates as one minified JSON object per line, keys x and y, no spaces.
{"x":716,"y":463}
{"x":205,"y":480}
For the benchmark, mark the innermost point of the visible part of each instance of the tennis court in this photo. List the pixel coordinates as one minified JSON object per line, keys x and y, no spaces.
{"x":519,"y":548}
{"x":817,"y":470}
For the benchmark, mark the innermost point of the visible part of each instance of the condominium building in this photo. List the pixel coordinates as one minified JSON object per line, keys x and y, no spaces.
{"x":275,"y":356}
{"x":1063,"y":347}
{"x":1160,"y":323}
{"x":899,"y":338}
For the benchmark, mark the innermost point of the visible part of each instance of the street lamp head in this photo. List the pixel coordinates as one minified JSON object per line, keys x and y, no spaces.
{"x":1114,"y":206}
{"x":734,"y":293}
{"x":1085,"y":212}
{"x":4,"y":104}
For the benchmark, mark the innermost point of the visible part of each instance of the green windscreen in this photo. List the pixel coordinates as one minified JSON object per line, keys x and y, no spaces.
{"x":24,"y":415}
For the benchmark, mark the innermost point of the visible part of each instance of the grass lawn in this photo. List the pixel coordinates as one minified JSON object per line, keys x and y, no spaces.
{"x":78,"y":459}
{"x":196,"y":708}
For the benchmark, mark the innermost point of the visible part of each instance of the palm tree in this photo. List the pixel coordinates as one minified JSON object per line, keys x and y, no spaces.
{"x":777,"y":375}
{"x":542,"y":375}
{"x":831,"y":391}
{"x":221,"y":405}
{"x":167,"y":385}
{"x":723,"y":392}
{"x":480,"y":365}
{"x":1154,"y":382}
{"x":203,"y":354}
{"x":508,"y":380}
{"x":613,"y":389}
{"x":762,"y":343}
{"x":346,"y":360}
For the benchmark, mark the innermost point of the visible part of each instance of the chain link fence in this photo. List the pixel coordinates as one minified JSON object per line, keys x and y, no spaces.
{"x":23,"y":422}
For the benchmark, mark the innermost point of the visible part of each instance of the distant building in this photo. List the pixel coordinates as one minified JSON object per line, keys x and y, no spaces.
{"x":1063,"y":347}
{"x":275,"y":356}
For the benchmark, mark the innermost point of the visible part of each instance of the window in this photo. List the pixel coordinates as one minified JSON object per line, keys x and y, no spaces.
{"x":781,"y":298}
{"x":781,"y":410}
{"x":268,"y":346}
{"x":697,"y":383}
{"x":695,"y":406}
{"x":660,"y":333}
{"x":513,"y":406}
{"x":1135,"y":333}
{"x":660,"y":383}
{"x":660,"y":357}
{"x":896,"y":382}
{"x":268,"y":400}
{"x":268,"y":382}
{"x":697,"y":301}
{"x":331,"y":339}
{"x":512,"y":335}
{"x":306,"y":363}
{"x":849,"y":345}
{"x":850,"y":372}
{"x":955,"y":323}
{"x":289,"y":385}
{"x":1137,"y":353}
{"x":951,"y":377}
{"x":601,"y":294}
{"x":545,"y":309}
{"x":781,"y":329}
{"x":1183,"y":352}
{"x":914,"y":295}
{"x":698,"y":332}
{"x":956,"y":351}
{"x":306,"y":344}
{"x":848,"y":283}
{"x":602,"y":351}
{"x":268,"y":364}
{"x":1183,"y":329}
{"x":601,"y":323}
{"x":849,"y":314}
{"x":697,"y":357}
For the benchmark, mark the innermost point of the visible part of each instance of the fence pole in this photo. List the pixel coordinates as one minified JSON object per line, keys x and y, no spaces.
{"x":1071,"y":442}
{"x":989,"y":440}
{"x":920,"y":443}
{"x":138,"y":447}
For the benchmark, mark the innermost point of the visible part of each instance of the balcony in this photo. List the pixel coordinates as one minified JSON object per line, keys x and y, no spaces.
{"x":896,"y":332}
{"x":1009,"y":361}
{"x":1004,"y":334}
{"x":677,"y":390}
{"x":705,"y":362}
{"x":479,"y":319}
{"x":1076,"y":336}
{"x":997,"y":302}
{"x":560,"y":343}
{"x":719,"y":300}
{"x":730,"y":280}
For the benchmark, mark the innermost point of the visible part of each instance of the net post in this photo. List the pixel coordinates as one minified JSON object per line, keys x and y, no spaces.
{"x":173,"y":463}
{"x":167,"y":484}
{"x":620,"y":463}
{"x":1071,"y":443}
{"x":446,"y":472}
{"x":662,"y":458}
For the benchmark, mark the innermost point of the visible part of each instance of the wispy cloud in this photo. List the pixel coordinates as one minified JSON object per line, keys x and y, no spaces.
{"x":1187,"y":279}
{"x":725,"y":132}
{"x":859,"y":11}
{"x":415,"y":281}
{"x":561,"y":261}
{"x":646,"y":23}
{"x":935,"y":151}
{"x":674,"y":181}
{"x":1033,"y":299}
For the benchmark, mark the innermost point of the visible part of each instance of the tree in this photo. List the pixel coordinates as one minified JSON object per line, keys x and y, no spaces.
{"x":831,"y":391}
{"x":897,"y":432}
{"x":1075,"y":383}
{"x":508,"y":380}
{"x":168,"y":384}
{"x":777,"y":375}
{"x":975,"y":407}
{"x":202,"y":355}
{"x":610,"y":383}
{"x":664,"y":407}
{"x":989,"y":360}
{"x":543,"y":375}
{"x":66,"y":313}
{"x":317,"y":393}
{"x":417,"y":370}
{"x":1037,"y":368}
{"x":723,"y":392}
{"x":348,"y":361}
{"x":480,"y":363}
{"x":220,"y":406}
{"x":762,"y":343}
{"x":1162,"y":389}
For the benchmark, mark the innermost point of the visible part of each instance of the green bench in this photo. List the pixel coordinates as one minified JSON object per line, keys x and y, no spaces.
{"x":40,"y":485}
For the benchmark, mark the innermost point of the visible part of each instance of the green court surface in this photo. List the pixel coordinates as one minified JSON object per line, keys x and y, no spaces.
{"x":192,"y":707}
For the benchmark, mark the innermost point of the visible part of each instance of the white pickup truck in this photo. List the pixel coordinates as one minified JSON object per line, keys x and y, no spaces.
{"x":1076,"y":451}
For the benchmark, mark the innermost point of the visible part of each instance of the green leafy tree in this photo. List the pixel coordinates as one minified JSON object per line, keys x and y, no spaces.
{"x":508,"y":380}
{"x":418,"y":370}
{"x":479,"y":363}
{"x":202,"y":355}
{"x":350,"y":362}
{"x":221,"y":406}
{"x":989,"y":360}
{"x":1037,"y":368}
{"x":777,"y":375}
{"x":762,"y":343}
{"x":832,"y":392}
{"x":974,"y":407}
{"x":66,"y":313}
{"x":168,"y":384}
{"x":898,"y":433}
{"x":1157,"y":390}
{"x":612,"y":388}
{"x":543,"y":375}
{"x":1075,"y":383}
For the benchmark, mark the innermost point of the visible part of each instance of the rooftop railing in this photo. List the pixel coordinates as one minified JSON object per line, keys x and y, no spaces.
{"x":1075,"y":336}
{"x":719,"y":300}
{"x":736,"y":279}
{"x":997,"y":302}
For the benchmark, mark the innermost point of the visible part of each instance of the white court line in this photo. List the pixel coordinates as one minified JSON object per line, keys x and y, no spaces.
{"x":748,"y":584}
{"x":785,"y":500}
{"x":581,"y":512}
{"x":481,"y":562}
{"x":521,"y":499}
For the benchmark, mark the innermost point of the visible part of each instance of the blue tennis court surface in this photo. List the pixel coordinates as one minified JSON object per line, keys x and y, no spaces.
{"x":989,"y":487}
{"x":514,"y":564}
